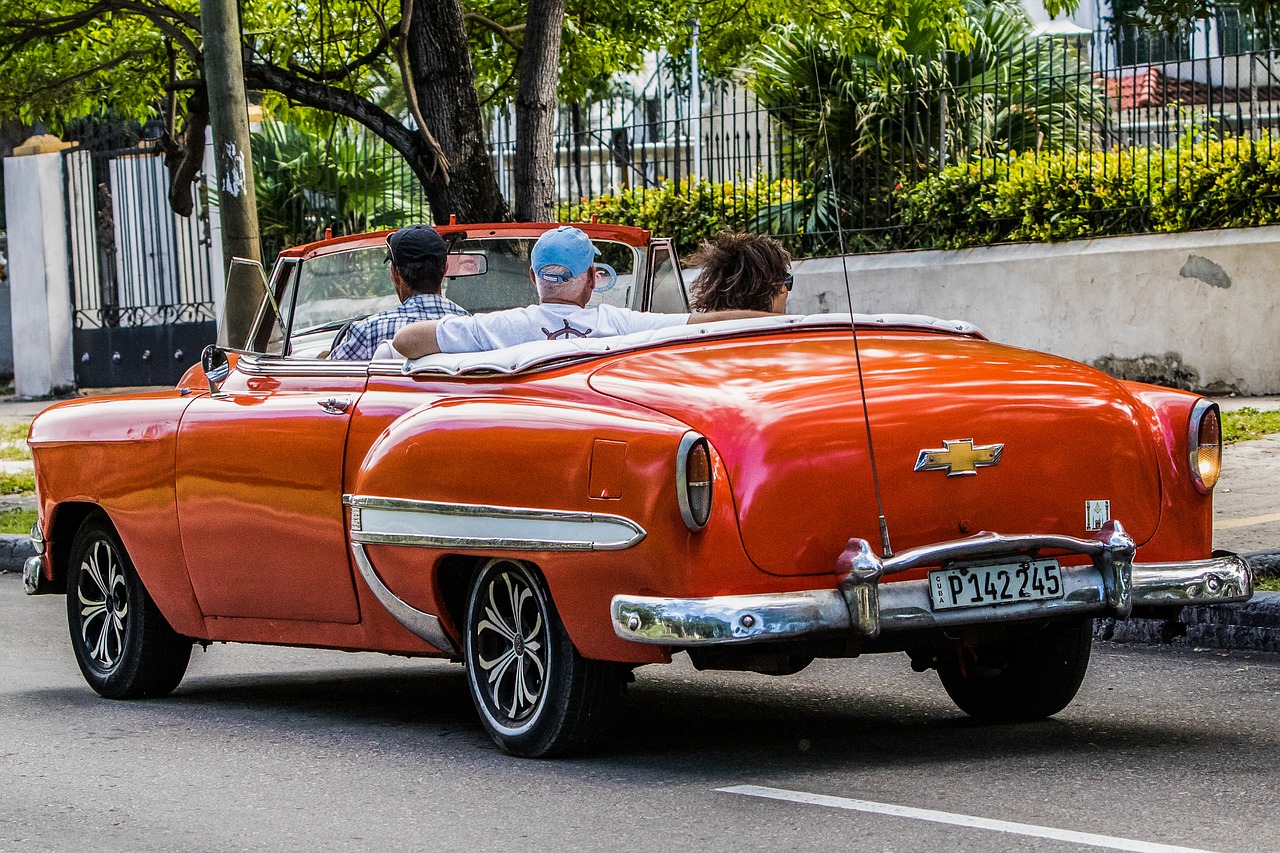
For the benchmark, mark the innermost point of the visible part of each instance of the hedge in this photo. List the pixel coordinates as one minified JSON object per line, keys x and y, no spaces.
{"x":688,"y":211}
{"x":1228,"y":183}
{"x":1231,"y":183}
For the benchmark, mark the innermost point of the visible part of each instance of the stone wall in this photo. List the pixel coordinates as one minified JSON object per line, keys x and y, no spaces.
{"x":1198,"y":310}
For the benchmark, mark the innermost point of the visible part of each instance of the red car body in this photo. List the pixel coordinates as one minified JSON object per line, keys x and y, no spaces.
{"x":391,"y":508}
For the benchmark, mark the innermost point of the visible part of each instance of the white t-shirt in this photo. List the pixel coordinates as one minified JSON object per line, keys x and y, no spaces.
{"x":551,"y":322}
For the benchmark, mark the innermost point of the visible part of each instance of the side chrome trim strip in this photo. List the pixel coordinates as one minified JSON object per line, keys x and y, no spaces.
{"x":396,"y":521}
{"x":260,"y":365}
{"x":387,"y":367}
{"x":422,"y":624}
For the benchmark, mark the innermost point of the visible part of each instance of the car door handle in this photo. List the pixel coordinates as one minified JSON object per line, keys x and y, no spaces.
{"x":334,"y":406}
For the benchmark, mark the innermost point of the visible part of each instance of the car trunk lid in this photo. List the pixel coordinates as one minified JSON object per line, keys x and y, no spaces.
{"x":784,"y":414}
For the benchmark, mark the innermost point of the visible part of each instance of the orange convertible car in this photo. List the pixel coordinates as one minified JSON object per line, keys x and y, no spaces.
{"x":755,"y":494}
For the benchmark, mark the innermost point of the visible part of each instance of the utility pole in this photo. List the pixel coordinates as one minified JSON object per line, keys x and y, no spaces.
{"x":229,"y":117}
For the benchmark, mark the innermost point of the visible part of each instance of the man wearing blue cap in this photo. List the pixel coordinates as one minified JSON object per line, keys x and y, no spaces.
{"x":562,"y":266}
{"x":418,"y":257}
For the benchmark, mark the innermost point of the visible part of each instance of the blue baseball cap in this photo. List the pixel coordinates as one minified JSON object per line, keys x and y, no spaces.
{"x":561,"y":254}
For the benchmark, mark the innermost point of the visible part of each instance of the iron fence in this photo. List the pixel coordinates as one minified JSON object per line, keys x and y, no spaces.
{"x":833,"y":161}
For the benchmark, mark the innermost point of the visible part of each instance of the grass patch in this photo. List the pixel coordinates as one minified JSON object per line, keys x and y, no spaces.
{"x":17,"y":484}
{"x":17,"y":520}
{"x":1246,"y":424}
{"x":13,"y":440}
{"x":1268,"y":584}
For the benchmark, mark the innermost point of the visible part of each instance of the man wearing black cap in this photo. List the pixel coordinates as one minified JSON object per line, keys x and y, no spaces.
{"x":418,"y":256}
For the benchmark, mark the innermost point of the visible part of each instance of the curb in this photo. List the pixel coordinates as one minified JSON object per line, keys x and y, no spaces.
{"x":15,"y":548}
{"x":1252,"y":626}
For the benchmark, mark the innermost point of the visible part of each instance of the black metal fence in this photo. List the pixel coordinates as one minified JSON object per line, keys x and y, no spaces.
{"x":826,"y":150}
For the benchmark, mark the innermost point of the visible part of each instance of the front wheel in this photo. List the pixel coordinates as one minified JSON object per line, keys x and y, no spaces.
{"x":1029,"y":674}
{"x":536,"y":695}
{"x":124,"y":646}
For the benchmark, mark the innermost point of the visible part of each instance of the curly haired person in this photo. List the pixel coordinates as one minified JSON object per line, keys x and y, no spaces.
{"x":742,"y":272}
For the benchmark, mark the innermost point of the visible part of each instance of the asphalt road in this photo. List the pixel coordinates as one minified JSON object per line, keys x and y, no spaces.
{"x":285,"y":749}
{"x":1246,"y":501}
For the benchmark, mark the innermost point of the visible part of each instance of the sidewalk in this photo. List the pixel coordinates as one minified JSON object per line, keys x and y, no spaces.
{"x":1246,"y":520}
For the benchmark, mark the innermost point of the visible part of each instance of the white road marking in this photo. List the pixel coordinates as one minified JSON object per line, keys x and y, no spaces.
{"x":1229,"y":523}
{"x":1089,"y":838}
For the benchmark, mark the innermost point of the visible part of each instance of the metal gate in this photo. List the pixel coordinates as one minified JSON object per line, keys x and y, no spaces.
{"x":142,"y":293}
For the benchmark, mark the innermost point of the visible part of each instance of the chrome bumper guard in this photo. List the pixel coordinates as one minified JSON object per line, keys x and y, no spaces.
{"x":859,"y":604}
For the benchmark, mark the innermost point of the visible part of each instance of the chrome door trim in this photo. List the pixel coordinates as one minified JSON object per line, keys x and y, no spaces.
{"x":396,"y":521}
{"x":259,"y":365}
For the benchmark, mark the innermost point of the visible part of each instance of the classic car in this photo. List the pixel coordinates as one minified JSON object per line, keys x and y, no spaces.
{"x":756,"y":494}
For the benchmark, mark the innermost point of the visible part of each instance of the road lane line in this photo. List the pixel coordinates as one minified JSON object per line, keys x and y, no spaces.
{"x":1089,"y":838}
{"x":1229,"y":523}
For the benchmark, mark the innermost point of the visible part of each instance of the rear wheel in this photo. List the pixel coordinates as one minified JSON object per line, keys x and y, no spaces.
{"x":536,"y":695}
{"x":1029,"y":674}
{"x":124,"y":646}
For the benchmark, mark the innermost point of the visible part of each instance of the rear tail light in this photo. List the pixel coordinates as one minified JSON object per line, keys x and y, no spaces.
{"x":693,"y":481}
{"x":1204,"y":444}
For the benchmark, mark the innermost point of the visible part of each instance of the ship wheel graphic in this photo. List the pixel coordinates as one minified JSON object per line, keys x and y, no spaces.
{"x":567,"y":332}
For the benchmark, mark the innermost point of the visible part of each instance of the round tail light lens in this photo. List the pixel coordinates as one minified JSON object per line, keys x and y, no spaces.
{"x":693,"y":481}
{"x":1205,"y":446}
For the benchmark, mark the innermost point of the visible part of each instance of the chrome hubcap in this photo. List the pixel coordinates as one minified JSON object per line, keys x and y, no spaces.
{"x":511,"y":647}
{"x":104,"y":605}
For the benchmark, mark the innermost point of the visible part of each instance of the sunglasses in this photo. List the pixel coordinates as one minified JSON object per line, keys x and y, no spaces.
{"x":788,"y":281}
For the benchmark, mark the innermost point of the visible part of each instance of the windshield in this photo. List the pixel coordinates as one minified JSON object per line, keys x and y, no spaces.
{"x":334,"y":289}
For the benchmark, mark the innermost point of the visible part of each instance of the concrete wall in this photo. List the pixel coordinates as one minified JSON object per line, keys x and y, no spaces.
{"x":39,"y":287}
{"x":1199,"y":310}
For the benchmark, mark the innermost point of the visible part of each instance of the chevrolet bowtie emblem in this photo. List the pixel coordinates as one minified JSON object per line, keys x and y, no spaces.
{"x":959,"y":456}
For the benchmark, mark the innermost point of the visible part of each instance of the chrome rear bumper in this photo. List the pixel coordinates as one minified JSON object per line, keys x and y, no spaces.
{"x":860,"y":604}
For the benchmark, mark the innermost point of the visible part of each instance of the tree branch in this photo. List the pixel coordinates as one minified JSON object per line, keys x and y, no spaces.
{"x":183,"y":160}
{"x":332,"y":74}
{"x":497,"y":29}
{"x":89,"y":72}
{"x":440,"y":163}
{"x":311,"y":93}
{"x":497,"y":90}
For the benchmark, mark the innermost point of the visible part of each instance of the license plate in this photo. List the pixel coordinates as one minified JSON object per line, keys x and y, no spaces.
{"x":999,"y":583}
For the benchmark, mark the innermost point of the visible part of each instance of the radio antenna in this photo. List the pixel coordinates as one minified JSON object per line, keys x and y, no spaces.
{"x":886,"y":548}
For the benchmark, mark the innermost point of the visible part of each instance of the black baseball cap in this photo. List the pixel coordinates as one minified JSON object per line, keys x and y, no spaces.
{"x":416,"y":244}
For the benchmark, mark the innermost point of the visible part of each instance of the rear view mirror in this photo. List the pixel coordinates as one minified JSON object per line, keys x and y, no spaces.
{"x":461,"y":264}
{"x":216,"y":368}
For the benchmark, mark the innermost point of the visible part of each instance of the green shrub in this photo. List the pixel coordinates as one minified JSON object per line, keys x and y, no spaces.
{"x":1228,"y":183}
{"x":1029,"y":197}
{"x":691,"y":211}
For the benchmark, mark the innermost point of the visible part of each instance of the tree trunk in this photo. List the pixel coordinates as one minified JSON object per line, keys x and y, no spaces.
{"x":536,"y":112}
{"x":445,"y":86}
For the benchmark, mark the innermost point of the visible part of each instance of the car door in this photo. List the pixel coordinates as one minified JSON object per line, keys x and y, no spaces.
{"x":259,"y":491}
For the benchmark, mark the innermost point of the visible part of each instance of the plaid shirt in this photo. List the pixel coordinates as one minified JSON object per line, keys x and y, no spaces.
{"x":363,"y":336}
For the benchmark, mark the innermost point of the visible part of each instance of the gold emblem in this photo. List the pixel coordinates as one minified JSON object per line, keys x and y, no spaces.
{"x":959,"y":456}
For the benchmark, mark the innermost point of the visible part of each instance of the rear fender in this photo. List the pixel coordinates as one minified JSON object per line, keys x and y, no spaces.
{"x":497,"y":457}
{"x":1186,"y":516}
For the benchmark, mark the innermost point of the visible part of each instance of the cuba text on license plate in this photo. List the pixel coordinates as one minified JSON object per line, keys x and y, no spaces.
{"x":999,"y":583}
